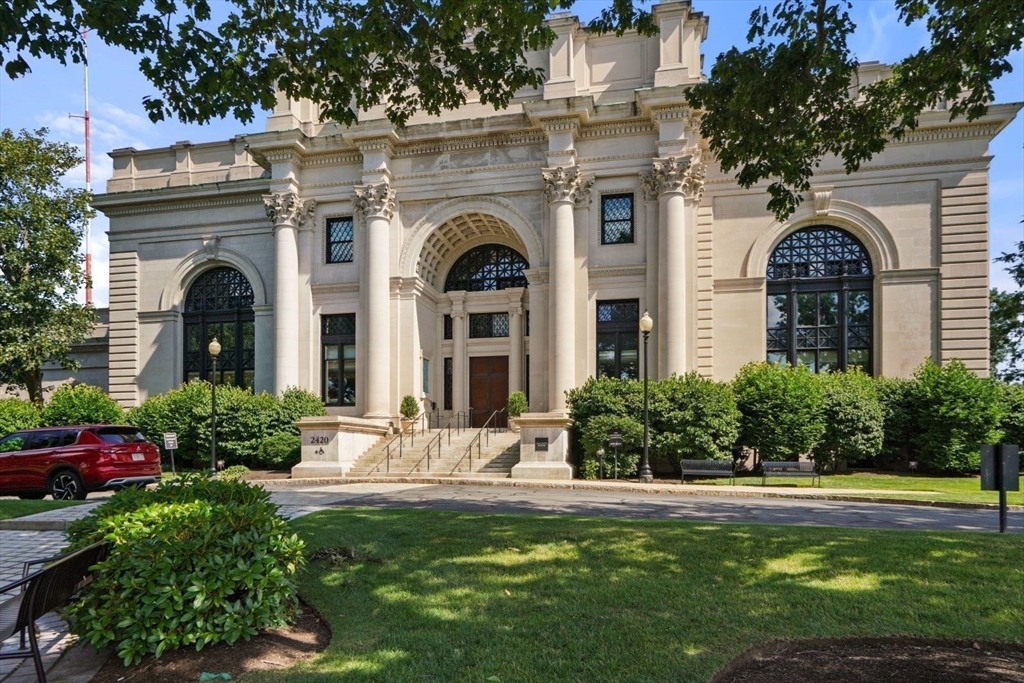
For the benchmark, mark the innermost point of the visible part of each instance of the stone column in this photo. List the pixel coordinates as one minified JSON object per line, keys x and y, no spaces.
{"x":655,"y":268}
{"x":515,"y":340}
{"x":565,"y":186}
{"x":459,"y":371}
{"x":288,"y":212}
{"x":539,"y":378}
{"x":376,"y":203}
{"x":680,"y":184}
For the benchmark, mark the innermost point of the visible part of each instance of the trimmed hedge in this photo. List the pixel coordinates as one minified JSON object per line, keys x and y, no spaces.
{"x":280,"y":451}
{"x":193,"y":562}
{"x":854,"y":418}
{"x":693,"y":418}
{"x":782,"y":410}
{"x":80,"y":404}
{"x":16,"y":414}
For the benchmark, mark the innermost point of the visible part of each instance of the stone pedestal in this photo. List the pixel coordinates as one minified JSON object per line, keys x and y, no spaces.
{"x":543,"y":446}
{"x":332,"y":444}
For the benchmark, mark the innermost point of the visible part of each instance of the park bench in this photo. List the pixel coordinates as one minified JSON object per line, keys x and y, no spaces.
{"x":708,"y":468}
{"x":789,"y":469}
{"x":39,"y":592}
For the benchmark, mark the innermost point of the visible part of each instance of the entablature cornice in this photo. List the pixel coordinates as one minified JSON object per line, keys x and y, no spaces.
{"x":183,"y":198}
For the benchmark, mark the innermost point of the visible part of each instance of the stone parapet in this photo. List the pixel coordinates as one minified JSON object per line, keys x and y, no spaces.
{"x":331,"y":444}
{"x":544,"y":446}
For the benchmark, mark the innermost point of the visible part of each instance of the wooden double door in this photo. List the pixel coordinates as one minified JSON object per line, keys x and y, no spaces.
{"x":488,"y":388}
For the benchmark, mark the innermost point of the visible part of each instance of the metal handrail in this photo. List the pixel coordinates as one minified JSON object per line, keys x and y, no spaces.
{"x":485,"y":431}
{"x":400,"y":438}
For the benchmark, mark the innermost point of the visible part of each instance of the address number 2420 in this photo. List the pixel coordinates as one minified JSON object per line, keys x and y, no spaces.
{"x":318,"y":440}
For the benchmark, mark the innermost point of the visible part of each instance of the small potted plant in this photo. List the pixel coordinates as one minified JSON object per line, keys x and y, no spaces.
{"x":517,"y":405}
{"x":409,"y":409}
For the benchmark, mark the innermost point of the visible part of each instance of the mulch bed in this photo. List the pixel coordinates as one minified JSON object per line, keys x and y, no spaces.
{"x":269,"y":650}
{"x":871,"y":660}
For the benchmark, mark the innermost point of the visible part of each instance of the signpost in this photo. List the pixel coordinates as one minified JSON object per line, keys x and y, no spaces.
{"x":615,"y":441}
{"x":171,"y":444}
{"x":1000,"y":467}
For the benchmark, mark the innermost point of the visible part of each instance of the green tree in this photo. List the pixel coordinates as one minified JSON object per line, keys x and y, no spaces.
{"x":693,"y":418}
{"x":1006,"y":320}
{"x":854,"y":419}
{"x":41,"y":228}
{"x":80,"y":404}
{"x":780,"y":410}
{"x":781,"y":133}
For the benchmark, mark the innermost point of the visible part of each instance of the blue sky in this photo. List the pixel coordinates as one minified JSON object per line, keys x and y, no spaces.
{"x":50,"y":92}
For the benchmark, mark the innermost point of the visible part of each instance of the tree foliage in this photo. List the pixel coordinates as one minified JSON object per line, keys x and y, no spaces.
{"x":854,"y":417}
{"x":781,"y":410}
{"x":1006,"y":320}
{"x":80,"y":404}
{"x":776,"y":109}
{"x":41,"y":228}
{"x":693,"y":418}
{"x":343,"y":55}
{"x":15,"y":414}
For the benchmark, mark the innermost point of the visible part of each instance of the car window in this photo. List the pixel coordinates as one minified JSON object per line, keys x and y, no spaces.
{"x":70,"y":437}
{"x":46,"y":440}
{"x":13,"y":443}
{"x":120,"y":435}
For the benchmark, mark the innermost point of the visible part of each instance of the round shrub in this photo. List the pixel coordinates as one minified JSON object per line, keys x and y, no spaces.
{"x":244,"y":419}
{"x":298,"y":403}
{"x":80,"y":404}
{"x":781,"y":410}
{"x":895,"y":395}
{"x":410,"y":407}
{"x":233,"y":473}
{"x":693,"y":418}
{"x":192,"y":562}
{"x":16,"y":414}
{"x":1012,"y":424}
{"x":185,"y":411}
{"x":595,"y":435}
{"x":517,"y":404}
{"x":855,"y":420}
{"x":280,"y":451}
{"x":954,"y":412}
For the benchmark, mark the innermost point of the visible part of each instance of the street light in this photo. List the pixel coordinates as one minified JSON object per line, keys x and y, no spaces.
{"x":214,"y":349}
{"x":646,"y":476}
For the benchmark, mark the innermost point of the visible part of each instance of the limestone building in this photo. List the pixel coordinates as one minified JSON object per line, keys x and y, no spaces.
{"x":470,"y":255}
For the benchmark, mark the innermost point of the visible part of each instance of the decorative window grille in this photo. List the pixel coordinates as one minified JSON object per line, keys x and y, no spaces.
{"x":338,"y":342}
{"x":448,"y":327}
{"x":448,"y":383}
{"x":487,"y":268}
{"x":617,"y":219}
{"x":219,"y":304}
{"x":339,"y":240}
{"x":487,"y":325}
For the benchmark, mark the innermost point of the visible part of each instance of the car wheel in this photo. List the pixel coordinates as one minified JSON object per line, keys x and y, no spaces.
{"x":31,"y":496}
{"x":67,"y":485}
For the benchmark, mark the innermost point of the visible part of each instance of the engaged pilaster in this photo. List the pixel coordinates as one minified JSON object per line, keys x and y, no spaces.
{"x":288,"y":212}
{"x":375,"y":202}
{"x":459,"y":354}
{"x":515,"y":340}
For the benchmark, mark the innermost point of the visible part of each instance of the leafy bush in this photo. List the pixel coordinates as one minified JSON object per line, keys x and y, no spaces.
{"x":954,"y":412}
{"x":280,"y":451}
{"x":410,"y":407}
{"x":244,"y":419}
{"x":693,"y":418}
{"x":896,"y":397}
{"x":595,"y":435}
{"x":185,"y":411}
{"x":517,"y":404}
{"x":1012,"y":424}
{"x":855,"y":420}
{"x":781,"y":409}
{"x":80,"y":404}
{"x":233,"y":473}
{"x":17,"y":414}
{"x":298,"y":403}
{"x":192,"y":562}
{"x":605,"y":396}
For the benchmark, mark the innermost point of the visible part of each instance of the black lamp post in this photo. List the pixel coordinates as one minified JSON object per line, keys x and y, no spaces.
{"x":214,"y":349}
{"x":646,"y":476}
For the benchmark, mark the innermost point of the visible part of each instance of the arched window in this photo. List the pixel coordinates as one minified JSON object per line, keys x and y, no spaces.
{"x":487,"y":268}
{"x":819,"y":301}
{"x":219,"y":304}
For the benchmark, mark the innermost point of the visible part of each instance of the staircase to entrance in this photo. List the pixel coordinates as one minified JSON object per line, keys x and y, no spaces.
{"x":453,"y":451}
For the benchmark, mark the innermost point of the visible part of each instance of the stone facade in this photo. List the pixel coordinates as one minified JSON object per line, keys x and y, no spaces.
{"x":325,"y":220}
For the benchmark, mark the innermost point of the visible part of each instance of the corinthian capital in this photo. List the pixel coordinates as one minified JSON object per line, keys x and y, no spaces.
{"x":375,"y":199}
{"x":567,"y":184}
{"x":684,"y":175}
{"x":287,"y":208}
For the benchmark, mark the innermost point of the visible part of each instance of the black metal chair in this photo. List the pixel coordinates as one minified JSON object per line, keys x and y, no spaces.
{"x":40,"y":592}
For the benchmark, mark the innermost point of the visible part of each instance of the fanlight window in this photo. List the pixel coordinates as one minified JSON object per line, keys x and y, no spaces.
{"x":486,"y":269}
{"x":219,"y":304}
{"x":820,"y":309}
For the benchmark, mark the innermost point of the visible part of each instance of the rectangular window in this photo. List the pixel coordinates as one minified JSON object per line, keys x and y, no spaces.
{"x":338,"y":338}
{"x":447,"y":383}
{"x":617,"y":219}
{"x":448,"y":327}
{"x":488,"y":325}
{"x":339,"y":240}
{"x":426,"y":375}
{"x":526,"y":379}
{"x":618,"y":339}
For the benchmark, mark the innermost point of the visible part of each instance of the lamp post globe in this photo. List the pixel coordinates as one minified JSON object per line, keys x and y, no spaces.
{"x":214,"y":349}
{"x":646,"y":475}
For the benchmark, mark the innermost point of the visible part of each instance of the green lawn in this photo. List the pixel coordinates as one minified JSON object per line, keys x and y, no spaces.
{"x":9,"y":509}
{"x":951,"y":489}
{"x":438,"y":596}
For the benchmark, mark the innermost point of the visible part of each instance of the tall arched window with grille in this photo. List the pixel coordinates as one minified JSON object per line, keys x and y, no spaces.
{"x":219,"y":304}
{"x":487,"y":268}
{"x":820,"y":307}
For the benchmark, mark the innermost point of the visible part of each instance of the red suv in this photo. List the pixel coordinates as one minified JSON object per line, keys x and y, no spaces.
{"x":69,"y":462}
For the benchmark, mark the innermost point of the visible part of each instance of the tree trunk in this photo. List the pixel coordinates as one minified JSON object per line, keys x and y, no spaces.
{"x":33,"y":380}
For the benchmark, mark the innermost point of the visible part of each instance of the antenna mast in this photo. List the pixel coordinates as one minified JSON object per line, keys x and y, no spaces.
{"x":88,"y":172}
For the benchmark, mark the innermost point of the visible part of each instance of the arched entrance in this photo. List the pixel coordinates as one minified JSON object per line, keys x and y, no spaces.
{"x":219,"y":304}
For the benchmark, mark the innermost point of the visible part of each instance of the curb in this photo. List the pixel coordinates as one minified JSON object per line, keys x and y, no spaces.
{"x":18,"y":524}
{"x":577,"y":485}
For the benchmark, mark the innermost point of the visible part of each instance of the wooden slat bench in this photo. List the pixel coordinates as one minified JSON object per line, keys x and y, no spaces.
{"x":708,"y":468}
{"x":789,"y":469}
{"x":40,"y":592}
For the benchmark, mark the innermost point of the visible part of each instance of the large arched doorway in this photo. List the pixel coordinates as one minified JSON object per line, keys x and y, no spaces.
{"x":219,"y":304}
{"x":820,"y":308}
